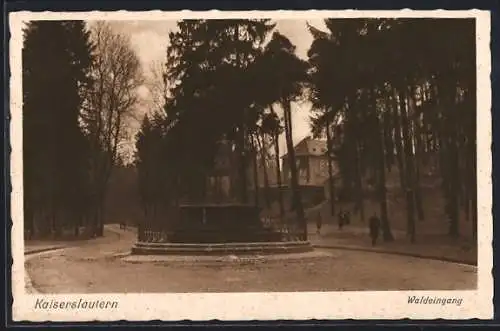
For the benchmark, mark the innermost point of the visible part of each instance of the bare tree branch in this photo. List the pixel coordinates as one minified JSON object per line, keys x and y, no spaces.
{"x":111,"y":102}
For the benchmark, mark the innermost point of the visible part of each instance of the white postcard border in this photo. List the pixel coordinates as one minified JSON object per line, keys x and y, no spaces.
{"x":267,"y":305}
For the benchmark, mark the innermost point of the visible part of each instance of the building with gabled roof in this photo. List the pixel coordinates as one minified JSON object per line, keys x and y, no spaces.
{"x":312,"y":163}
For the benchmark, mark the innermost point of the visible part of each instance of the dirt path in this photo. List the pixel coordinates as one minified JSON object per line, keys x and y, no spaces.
{"x":98,"y":268}
{"x":115,"y":242}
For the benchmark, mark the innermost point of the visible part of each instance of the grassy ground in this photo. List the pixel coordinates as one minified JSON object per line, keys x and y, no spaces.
{"x":432,"y":239}
{"x":434,"y":224}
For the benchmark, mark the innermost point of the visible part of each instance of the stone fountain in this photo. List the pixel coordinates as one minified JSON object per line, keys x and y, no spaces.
{"x":220,"y":225}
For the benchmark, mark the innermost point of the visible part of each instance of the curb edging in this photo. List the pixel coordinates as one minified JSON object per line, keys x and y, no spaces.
{"x":382,"y":251}
{"x":42,"y":250}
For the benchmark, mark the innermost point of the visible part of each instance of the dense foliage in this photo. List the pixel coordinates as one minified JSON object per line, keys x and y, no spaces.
{"x":77,"y":85}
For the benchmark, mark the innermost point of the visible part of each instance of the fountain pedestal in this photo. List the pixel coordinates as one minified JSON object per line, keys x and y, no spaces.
{"x":220,"y":229}
{"x":216,"y":228}
{"x":220,"y":223}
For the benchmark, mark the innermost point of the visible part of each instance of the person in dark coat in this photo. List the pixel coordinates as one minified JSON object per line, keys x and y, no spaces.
{"x":319,"y":223}
{"x":341,"y":219}
{"x":344,"y":218}
{"x":347,"y":218}
{"x":374,"y":228}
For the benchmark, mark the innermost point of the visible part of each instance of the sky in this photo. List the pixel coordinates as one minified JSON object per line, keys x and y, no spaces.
{"x":150,"y":40}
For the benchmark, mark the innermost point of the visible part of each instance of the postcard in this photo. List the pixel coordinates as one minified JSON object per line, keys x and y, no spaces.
{"x":251,"y":165}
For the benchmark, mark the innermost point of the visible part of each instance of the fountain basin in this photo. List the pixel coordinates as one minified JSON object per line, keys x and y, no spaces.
{"x":220,"y":223}
{"x":253,"y":248}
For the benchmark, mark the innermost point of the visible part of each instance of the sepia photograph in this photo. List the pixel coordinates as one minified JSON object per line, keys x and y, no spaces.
{"x":184,"y":158}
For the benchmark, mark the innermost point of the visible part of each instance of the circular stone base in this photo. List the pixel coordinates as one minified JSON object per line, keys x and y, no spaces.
{"x":226,"y":260}
{"x":255,"y":248}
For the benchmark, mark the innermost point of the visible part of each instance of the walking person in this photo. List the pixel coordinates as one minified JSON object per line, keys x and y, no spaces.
{"x":347,"y":218}
{"x":319,"y":223}
{"x":374,"y":228}
{"x":341,"y":219}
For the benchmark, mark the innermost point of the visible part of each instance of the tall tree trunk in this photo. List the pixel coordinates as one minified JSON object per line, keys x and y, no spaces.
{"x":278,"y":169}
{"x":447,"y":94}
{"x":379,"y":140}
{"x":101,"y":203}
{"x":76,"y":230}
{"x":242,"y":166}
{"x":53,"y":218}
{"x":398,"y":141}
{"x":386,"y":228}
{"x":417,"y":141}
{"x":443,"y":166}
{"x":255,"y":173}
{"x":43,"y":221}
{"x":100,"y":232}
{"x":278,"y":175}
{"x":418,"y":192}
{"x":358,"y":182}
{"x":242,"y":173}
{"x":263,"y":157}
{"x":472,"y":187}
{"x":454,"y":184}
{"x":98,"y":206}
{"x":331,"y":184}
{"x":46,"y":226}
{"x":442,"y":141}
{"x":177,"y":189}
{"x":203,"y":186}
{"x":410,"y":198}
{"x":388,"y":138}
{"x":94,"y":218}
{"x":473,"y":194}
{"x":467,"y":203}
{"x":296,"y":196}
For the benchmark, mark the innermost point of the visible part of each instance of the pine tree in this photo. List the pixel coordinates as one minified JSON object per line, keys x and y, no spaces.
{"x":210,"y":73}
{"x":56,"y":60}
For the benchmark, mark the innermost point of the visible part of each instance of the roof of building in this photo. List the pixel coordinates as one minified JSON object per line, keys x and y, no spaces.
{"x":310,"y":147}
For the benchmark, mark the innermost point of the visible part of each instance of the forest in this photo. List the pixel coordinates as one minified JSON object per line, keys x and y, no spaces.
{"x":391,"y":93}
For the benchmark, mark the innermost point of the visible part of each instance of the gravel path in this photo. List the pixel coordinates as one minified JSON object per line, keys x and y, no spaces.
{"x":99,"y":268}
